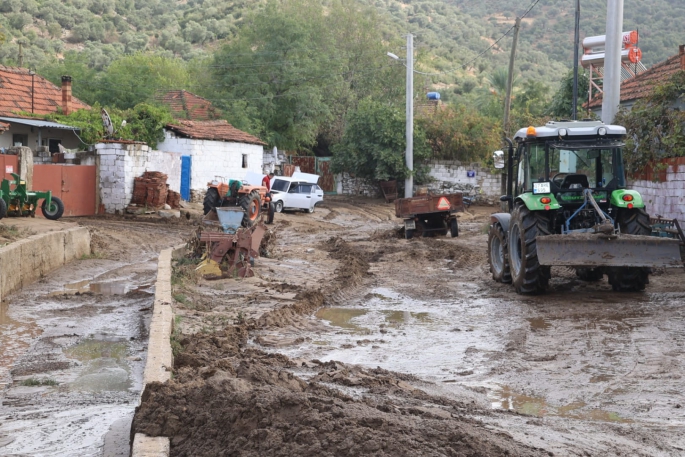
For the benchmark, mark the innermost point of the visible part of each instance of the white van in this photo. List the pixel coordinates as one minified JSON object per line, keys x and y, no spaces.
{"x":298,"y":192}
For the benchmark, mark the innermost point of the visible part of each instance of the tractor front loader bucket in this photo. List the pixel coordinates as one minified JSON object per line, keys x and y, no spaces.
{"x":595,"y":250}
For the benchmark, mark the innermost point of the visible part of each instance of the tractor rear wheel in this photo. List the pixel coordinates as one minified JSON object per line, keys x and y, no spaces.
{"x":3,"y":208}
{"x":55,"y":210}
{"x":252,"y":205}
{"x":528,"y":276}
{"x":498,"y":256}
{"x":631,"y":279}
{"x":211,"y":201}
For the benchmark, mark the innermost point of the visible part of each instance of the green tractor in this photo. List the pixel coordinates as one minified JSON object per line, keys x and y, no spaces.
{"x":568,"y":206}
{"x":16,"y":200}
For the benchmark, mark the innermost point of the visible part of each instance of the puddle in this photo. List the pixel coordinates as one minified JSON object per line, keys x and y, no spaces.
{"x":120,"y":287}
{"x":505,"y":398}
{"x":341,"y":317}
{"x":104,"y":365}
{"x":538,"y":323}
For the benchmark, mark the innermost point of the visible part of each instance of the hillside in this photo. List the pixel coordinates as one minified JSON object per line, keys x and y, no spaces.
{"x":449,"y":34}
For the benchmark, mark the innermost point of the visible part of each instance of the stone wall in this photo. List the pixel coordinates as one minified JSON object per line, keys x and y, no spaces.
{"x":119,"y":163}
{"x":452,"y":176}
{"x":663,"y":190}
{"x":214,"y":158}
{"x":348,"y":185}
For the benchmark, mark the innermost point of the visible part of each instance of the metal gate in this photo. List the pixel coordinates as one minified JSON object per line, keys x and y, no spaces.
{"x":185,"y":177}
{"x":75,"y":185}
{"x":8,"y":164}
{"x":317,"y":165}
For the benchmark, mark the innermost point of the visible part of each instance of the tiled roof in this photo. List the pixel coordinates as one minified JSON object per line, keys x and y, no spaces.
{"x":4,"y":127}
{"x":15,"y":93}
{"x":219,"y":130}
{"x":186,"y":105}
{"x":641,"y":85}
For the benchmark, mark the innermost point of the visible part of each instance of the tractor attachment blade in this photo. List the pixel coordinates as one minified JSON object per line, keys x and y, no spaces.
{"x":593,"y":250}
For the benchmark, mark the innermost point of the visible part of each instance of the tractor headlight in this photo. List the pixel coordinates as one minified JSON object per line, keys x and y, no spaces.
{"x":563,"y":132}
{"x":602,"y":131}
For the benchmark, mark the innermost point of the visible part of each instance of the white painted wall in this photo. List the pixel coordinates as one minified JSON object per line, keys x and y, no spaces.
{"x":214,"y":158}
{"x":665,"y":199}
{"x":118,"y":165}
{"x":69,"y":140}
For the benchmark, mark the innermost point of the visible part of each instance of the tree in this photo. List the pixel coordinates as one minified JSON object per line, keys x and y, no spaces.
{"x":373,"y":145}
{"x":562,"y":102}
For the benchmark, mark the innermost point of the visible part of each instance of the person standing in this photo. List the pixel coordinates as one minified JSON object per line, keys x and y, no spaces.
{"x":266,"y":182}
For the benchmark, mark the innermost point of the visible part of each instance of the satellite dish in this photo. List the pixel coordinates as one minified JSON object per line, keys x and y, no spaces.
{"x":107,"y":122}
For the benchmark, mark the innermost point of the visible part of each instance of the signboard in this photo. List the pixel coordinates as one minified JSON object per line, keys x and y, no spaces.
{"x":9,"y":169}
{"x":470,"y":173}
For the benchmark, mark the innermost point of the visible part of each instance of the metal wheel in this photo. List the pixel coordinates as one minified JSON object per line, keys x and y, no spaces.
{"x":55,"y":210}
{"x":279,"y":206}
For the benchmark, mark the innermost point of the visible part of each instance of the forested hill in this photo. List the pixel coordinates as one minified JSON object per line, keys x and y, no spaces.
{"x":449,"y":33}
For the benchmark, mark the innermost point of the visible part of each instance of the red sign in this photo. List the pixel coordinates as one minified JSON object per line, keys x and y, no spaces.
{"x":9,"y":169}
{"x":443,"y":203}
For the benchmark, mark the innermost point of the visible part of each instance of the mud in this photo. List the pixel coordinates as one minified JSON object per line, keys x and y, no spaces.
{"x":354,"y":341}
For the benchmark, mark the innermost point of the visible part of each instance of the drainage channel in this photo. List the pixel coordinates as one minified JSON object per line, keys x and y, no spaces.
{"x":72,"y":352}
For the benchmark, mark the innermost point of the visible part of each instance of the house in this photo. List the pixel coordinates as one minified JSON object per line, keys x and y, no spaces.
{"x":210,"y":147}
{"x":21,"y":90}
{"x":640,"y":86}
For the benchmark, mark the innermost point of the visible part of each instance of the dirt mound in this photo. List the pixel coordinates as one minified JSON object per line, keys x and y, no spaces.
{"x":227,"y":401}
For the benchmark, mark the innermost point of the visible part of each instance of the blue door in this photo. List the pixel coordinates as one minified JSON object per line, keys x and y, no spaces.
{"x":185,"y":178}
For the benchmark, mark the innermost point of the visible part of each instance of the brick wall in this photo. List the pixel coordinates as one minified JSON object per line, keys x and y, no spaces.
{"x":663,"y":190}
{"x":214,"y":158}
{"x":118,"y":164}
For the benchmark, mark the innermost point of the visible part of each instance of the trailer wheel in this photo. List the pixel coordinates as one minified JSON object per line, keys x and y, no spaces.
{"x":528,"y":276}
{"x":55,"y":210}
{"x":3,"y":208}
{"x":252,"y":206}
{"x":454,"y":228}
{"x":631,"y":279}
{"x":498,"y":256}
{"x":408,"y":234}
{"x":420,"y":230}
{"x":211,"y":200}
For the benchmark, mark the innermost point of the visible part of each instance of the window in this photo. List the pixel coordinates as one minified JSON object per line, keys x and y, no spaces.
{"x":244,"y":160}
{"x":305,"y":189}
{"x":19,"y":139}
{"x":280,"y":185}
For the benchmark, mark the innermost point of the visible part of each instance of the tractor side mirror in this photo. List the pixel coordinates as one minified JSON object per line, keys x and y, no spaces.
{"x":498,"y":159}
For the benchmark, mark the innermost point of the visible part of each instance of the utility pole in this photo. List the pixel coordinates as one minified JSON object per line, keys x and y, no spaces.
{"x":576,"y":44}
{"x":612,"y":61}
{"x":510,"y":78}
{"x":409,"y":156}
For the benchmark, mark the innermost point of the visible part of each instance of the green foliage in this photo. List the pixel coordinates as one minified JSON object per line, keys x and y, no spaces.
{"x":461,"y":134}
{"x":373,"y":145}
{"x":655,"y":125}
{"x":562,"y":102}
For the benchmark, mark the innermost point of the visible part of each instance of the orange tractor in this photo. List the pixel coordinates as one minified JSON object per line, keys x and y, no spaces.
{"x":252,"y":199}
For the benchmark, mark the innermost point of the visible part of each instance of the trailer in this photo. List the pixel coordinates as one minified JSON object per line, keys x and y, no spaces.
{"x":430,"y":215}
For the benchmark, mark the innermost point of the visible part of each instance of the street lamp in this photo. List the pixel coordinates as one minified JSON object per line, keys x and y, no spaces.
{"x":409,"y":155}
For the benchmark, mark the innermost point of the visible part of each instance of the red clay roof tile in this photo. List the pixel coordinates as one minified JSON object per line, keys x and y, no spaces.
{"x":15,"y":93}
{"x":642,"y":85}
{"x":217,"y":130}
{"x":186,"y":105}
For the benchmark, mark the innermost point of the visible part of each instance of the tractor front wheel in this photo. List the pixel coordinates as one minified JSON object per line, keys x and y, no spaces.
{"x":528,"y":276}
{"x":631,"y":279}
{"x":270,"y":214}
{"x":211,"y":201}
{"x":3,"y":208}
{"x":55,"y":210}
{"x":498,"y":256}
{"x":252,"y":205}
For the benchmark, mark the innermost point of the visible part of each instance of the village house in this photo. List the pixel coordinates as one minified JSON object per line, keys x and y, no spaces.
{"x":210,"y":147}
{"x":23,"y":91}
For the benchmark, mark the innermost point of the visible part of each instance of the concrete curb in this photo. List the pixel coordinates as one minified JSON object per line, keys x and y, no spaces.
{"x":24,"y":261}
{"x":160,"y":358}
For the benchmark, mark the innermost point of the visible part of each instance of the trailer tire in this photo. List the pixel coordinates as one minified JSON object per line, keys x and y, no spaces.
{"x":408,"y":234}
{"x":252,"y":205}
{"x":55,"y":211}
{"x":631,"y":279}
{"x":211,"y":201}
{"x":454,"y":228}
{"x":3,"y":208}
{"x":527,"y":275}
{"x":498,"y":255}
{"x":420,"y":230}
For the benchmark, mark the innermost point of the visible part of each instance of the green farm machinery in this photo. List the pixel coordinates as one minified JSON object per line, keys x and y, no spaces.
{"x":569,"y":206}
{"x":17,"y":200}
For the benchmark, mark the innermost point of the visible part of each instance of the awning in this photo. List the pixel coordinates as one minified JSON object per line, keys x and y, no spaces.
{"x":38,"y":123}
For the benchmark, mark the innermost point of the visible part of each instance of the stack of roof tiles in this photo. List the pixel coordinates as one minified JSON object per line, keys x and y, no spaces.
{"x":150,"y":190}
{"x":173,"y":199}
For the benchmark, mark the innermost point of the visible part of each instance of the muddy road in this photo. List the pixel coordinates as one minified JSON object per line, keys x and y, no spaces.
{"x":348,"y":314}
{"x":73,"y":345}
